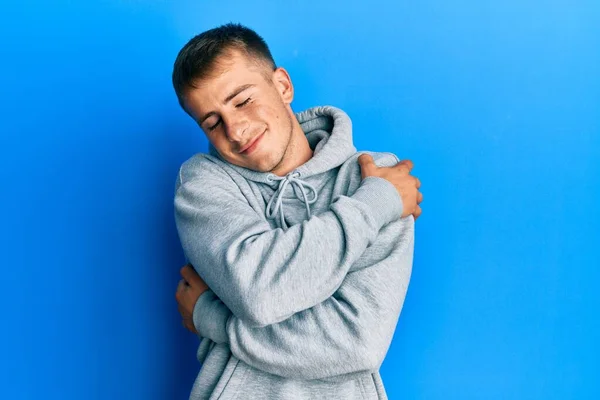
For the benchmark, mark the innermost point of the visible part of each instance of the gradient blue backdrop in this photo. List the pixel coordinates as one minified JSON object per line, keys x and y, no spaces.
{"x":497,"y":103}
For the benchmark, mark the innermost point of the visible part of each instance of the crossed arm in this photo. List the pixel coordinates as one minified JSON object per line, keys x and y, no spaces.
{"x":341,"y":315}
{"x":348,"y":333}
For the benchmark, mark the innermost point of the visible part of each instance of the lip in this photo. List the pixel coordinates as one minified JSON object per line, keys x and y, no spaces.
{"x":252,"y":146}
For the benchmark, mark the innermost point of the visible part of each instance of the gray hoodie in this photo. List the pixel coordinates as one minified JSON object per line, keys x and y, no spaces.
{"x":307,"y":272}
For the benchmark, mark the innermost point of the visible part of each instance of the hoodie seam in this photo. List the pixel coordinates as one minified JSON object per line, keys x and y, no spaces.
{"x":362,"y":387}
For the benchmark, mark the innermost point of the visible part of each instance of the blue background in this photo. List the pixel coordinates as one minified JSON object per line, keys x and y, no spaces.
{"x":497,"y":103}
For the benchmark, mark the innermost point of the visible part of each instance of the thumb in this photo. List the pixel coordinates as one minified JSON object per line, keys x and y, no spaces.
{"x":366,"y":163}
{"x":190,"y":275}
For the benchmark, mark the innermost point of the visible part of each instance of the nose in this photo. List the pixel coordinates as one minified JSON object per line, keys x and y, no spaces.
{"x":236,"y":128}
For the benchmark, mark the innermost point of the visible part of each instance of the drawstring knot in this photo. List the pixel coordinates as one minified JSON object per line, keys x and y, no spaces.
{"x":275,"y":204}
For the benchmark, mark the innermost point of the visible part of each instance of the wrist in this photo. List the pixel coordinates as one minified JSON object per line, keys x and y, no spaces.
{"x":210,"y":317}
{"x":382,"y":197}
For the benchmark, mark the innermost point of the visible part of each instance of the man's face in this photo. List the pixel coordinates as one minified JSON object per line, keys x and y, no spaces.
{"x":245,"y":116}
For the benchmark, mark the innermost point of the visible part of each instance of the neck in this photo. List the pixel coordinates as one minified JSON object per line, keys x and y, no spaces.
{"x":297,"y":153}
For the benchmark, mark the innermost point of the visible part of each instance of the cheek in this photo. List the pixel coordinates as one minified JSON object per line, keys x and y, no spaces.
{"x":276,"y":121}
{"x":222,"y":145}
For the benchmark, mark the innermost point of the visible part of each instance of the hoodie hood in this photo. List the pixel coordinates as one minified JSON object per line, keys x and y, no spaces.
{"x":329,"y":133}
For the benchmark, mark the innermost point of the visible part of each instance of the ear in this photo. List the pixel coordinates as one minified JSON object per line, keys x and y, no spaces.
{"x":283,"y":85}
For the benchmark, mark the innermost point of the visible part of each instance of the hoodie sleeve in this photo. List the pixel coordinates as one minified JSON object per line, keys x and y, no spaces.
{"x":253,"y":268}
{"x":347,"y":334}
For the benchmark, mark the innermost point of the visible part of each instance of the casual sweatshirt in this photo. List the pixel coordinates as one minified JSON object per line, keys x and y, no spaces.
{"x":307,"y":272}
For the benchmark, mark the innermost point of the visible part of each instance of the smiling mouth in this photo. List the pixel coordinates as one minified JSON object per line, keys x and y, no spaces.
{"x":249,"y":145}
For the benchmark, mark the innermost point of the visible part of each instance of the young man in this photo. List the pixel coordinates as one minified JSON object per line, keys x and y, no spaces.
{"x":300,"y":248}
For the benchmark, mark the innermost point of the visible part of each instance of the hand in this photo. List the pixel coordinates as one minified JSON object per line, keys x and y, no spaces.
{"x":188,"y":291}
{"x":399,"y":175}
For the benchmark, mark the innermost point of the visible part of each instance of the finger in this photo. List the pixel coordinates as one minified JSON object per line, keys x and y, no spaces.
{"x":419,"y":197}
{"x":185,"y":268}
{"x":186,"y":321}
{"x":417,"y":183}
{"x":189,"y":325}
{"x":186,"y":324}
{"x":190,"y":275}
{"x":181,"y":287}
{"x":417,"y":212}
{"x":182,"y":284}
{"x":366,"y":163}
{"x":403,"y":167}
{"x":365,"y":159}
{"x":182,"y":311}
{"x":408,"y":163}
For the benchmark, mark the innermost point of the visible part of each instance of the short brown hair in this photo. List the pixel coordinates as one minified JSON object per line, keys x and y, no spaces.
{"x":198,"y":57}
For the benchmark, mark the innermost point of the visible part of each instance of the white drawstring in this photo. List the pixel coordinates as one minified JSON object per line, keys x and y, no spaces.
{"x":275,"y":204}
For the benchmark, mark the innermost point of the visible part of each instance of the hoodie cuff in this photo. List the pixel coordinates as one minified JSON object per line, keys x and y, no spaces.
{"x":383,"y":198}
{"x":210,"y":317}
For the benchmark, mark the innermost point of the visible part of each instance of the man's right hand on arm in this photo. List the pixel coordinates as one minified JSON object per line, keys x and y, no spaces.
{"x":399,"y":175}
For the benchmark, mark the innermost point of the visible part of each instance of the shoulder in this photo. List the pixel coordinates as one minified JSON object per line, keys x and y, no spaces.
{"x":200,"y":168}
{"x":382,"y":159}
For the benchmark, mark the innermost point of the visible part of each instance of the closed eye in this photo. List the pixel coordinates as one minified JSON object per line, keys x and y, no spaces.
{"x":244,"y":102}
{"x":211,"y":128}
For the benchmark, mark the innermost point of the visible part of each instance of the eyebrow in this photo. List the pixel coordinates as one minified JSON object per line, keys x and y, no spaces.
{"x":230,"y":97}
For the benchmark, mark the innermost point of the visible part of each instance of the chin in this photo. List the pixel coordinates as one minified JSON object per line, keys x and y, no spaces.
{"x":264,"y":166}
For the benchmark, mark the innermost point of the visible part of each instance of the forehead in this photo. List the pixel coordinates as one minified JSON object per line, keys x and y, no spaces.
{"x":230,"y":70}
